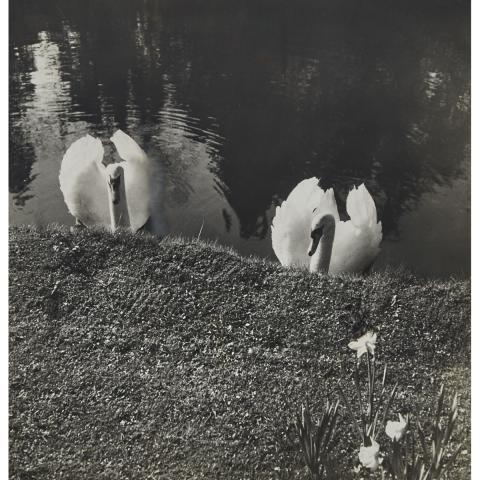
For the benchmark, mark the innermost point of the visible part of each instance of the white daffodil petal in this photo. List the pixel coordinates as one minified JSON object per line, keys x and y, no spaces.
{"x":368,"y":456}
{"x":396,"y":430}
{"x":364,"y":343}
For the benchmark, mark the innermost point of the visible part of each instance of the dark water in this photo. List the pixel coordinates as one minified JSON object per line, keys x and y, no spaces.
{"x":239,"y":101}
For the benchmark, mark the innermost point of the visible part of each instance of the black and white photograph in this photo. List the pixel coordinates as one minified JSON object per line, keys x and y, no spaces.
{"x":239,"y":239}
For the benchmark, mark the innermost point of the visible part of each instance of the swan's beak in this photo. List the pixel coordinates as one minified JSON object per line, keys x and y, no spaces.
{"x":114,"y":185}
{"x":316,"y":236}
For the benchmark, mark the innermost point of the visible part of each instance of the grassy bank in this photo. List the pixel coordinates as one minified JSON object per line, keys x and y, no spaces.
{"x":134,"y":358}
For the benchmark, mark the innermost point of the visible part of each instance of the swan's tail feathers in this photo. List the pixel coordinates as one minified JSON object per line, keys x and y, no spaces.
{"x":361,"y":207}
{"x":127,"y":147}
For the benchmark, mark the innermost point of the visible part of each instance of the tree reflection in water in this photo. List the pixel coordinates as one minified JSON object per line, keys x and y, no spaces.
{"x":241,"y":102}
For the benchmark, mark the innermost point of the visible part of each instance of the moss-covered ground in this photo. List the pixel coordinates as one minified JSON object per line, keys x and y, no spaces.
{"x":136,"y":358}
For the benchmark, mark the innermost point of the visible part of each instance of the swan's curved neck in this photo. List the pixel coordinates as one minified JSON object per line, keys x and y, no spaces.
{"x":117,"y":202}
{"x":320,"y":261}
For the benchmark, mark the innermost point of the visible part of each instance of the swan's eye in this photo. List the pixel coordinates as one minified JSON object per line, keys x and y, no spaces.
{"x":313,"y":211}
{"x":317,"y":233}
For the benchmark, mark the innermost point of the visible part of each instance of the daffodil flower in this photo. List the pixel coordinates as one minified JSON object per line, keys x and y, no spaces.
{"x":364,"y":343}
{"x":368,"y":456}
{"x":396,"y":430}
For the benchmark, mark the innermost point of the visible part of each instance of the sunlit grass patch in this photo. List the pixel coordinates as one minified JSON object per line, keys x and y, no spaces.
{"x":133,"y":356}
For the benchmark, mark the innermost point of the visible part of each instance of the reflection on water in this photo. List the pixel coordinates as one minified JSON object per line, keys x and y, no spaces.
{"x":238,"y":103}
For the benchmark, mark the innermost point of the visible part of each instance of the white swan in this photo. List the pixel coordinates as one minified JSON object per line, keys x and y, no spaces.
{"x":307,"y":231}
{"x":117,"y":194}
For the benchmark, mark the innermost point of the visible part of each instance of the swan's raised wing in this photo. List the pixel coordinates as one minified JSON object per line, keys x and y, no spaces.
{"x":357,"y":242}
{"x":128,"y":148}
{"x":82,"y":183}
{"x":361,"y":207}
{"x":138,"y":178}
{"x":291,"y":225}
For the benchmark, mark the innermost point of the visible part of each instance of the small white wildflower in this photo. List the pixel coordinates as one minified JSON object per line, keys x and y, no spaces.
{"x":364,"y":343}
{"x":368,"y":456}
{"x":396,"y":430}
